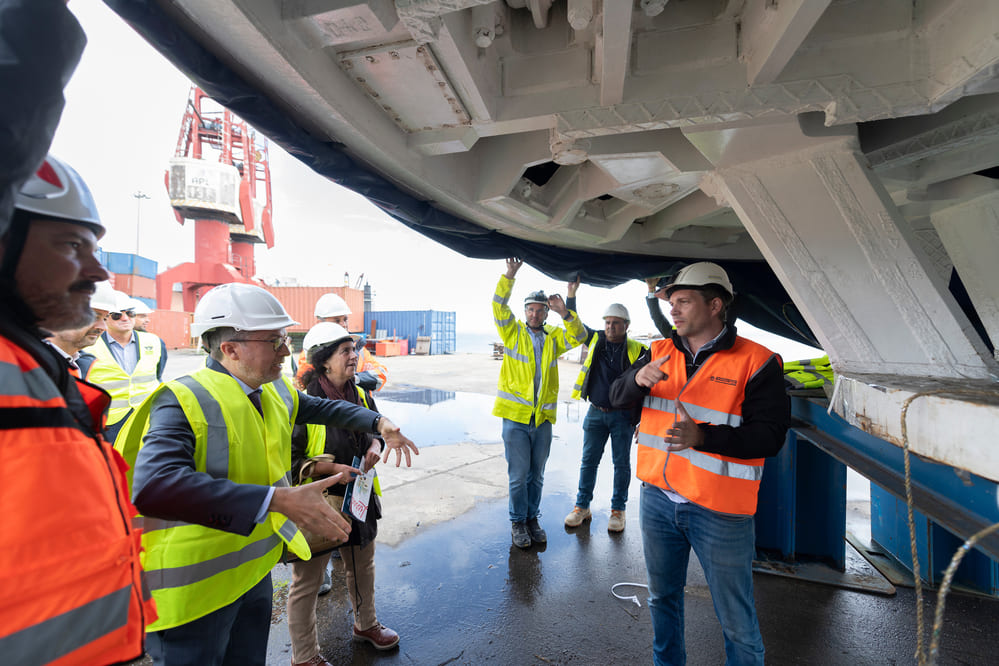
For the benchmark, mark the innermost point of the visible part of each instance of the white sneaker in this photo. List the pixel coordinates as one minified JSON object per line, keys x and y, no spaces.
{"x":577,"y":516}
{"x":616,"y":522}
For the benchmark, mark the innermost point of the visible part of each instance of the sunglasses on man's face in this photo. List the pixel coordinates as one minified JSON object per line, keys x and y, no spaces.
{"x":124,"y":313}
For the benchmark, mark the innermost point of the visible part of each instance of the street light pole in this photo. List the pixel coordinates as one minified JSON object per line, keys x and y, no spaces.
{"x":139,"y":196}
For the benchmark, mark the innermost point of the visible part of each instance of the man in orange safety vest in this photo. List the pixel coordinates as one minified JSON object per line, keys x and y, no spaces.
{"x":713,"y":407}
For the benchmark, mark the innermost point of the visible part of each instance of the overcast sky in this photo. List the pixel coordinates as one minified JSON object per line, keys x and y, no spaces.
{"x":120,"y":128}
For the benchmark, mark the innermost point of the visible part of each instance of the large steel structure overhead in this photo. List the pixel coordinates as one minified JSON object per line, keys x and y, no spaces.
{"x":835,"y":153}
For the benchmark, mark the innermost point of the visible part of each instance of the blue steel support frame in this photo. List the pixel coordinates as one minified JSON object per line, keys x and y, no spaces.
{"x":955,"y":500}
{"x":802,"y":505}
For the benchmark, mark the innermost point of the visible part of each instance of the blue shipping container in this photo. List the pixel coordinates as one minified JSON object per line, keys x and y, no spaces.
{"x":144,"y":267}
{"x":438,"y":325}
{"x":129,"y":264}
{"x":151,"y":302}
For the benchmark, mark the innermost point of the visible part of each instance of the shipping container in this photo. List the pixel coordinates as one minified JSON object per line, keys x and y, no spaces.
{"x":129,"y":264}
{"x":150,"y":302}
{"x":135,"y":285}
{"x":300,"y":302}
{"x":173,"y":327}
{"x":438,"y":325}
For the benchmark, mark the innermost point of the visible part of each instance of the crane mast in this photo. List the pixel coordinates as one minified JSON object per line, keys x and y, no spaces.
{"x":219,"y":177}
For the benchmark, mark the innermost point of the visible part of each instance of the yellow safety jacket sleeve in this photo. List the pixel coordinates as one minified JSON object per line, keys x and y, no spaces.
{"x":515,"y":397}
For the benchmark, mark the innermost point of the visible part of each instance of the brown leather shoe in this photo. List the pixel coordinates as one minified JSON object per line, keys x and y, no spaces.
{"x":318,"y":660}
{"x":379,"y":635}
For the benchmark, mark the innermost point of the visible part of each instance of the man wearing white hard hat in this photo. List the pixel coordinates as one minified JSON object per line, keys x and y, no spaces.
{"x":84,"y":542}
{"x":713,"y":408}
{"x":371,"y":374}
{"x":79,"y":597}
{"x":141,"y":313}
{"x":527,"y":395}
{"x":609,"y":353}
{"x":211,"y":453}
{"x":129,"y":364}
{"x":71,"y":342}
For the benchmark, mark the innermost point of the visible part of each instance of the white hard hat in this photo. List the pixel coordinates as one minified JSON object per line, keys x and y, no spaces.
{"x":139,"y":307}
{"x":57,"y":191}
{"x":245,"y":307}
{"x":325,"y":333}
{"x":105,"y":297}
{"x":617,"y":310}
{"x":331,"y":305}
{"x":122,"y":302}
{"x":536,"y":297}
{"x":700,"y":274}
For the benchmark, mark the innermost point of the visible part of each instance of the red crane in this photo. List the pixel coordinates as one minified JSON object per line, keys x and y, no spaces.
{"x":220,"y":178}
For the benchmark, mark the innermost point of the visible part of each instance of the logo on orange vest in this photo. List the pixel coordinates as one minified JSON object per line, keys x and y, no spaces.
{"x":723,"y":380}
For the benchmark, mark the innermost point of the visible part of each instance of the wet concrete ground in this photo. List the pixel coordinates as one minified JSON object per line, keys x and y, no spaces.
{"x":458,"y":592}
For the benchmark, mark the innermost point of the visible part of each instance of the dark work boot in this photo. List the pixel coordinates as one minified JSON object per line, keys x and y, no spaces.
{"x":537,"y":534}
{"x":521,"y":537}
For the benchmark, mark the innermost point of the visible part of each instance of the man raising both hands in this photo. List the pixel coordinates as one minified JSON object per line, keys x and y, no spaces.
{"x":527,"y":396}
{"x":713,"y":408}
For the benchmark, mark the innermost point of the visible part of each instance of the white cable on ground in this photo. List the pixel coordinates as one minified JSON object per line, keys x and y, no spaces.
{"x":633,"y":597}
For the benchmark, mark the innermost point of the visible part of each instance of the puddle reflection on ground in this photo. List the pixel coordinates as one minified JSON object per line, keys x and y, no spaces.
{"x":431,"y":417}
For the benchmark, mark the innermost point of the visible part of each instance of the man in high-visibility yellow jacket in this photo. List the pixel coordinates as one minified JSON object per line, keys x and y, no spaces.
{"x":527,"y":396}
{"x":212,"y":454}
{"x":128,"y":364}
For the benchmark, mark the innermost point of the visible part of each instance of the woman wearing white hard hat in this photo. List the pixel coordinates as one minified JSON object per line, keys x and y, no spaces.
{"x":332,"y":359}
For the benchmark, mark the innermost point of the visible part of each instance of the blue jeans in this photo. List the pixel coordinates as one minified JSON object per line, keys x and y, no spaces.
{"x":527,"y":448}
{"x":234,"y":634}
{"x":724,"y":545}
{"x":597,"y":426}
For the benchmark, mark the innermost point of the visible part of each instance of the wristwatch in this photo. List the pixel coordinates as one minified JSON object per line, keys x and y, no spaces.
{"x":376,"y":423}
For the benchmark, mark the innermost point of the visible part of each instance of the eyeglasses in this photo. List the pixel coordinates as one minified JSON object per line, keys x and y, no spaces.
{"x":276,"y":343}
{"x":124,"y":313}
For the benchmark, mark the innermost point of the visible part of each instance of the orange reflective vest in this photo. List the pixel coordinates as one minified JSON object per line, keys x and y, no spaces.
{"x":713,"y":395}
{"x":71,"y":588}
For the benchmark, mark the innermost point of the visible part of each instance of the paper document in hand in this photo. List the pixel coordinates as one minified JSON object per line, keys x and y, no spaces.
{"x":358,"y":494}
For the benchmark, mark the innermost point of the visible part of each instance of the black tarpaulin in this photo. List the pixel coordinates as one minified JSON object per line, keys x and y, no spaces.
{"x":761,"y":300}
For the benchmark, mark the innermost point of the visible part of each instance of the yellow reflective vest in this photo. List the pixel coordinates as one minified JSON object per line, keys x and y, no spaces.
{"x":811,"y":373}
{"x":194,"y":570}
{"x":579,"y":388}
{"x":515,"y":399}
{"x":127,"y":391}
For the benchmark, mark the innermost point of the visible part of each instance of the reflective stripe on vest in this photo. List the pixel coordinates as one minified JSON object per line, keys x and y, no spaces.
{"x":715,"y":465}
{"x":63,"y":634}
{"x":87,"y":545}
{"x":696,"y":412}
{"x":195,"y":570}
{"x":713,"y":395}
{"x":635,"y":349}
{"x":127,"y":391}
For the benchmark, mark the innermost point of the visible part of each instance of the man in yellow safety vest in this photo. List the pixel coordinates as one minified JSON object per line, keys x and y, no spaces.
{"x":212,"y":455}
{"x":527,"y":395}
{"x":129,"y":364}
